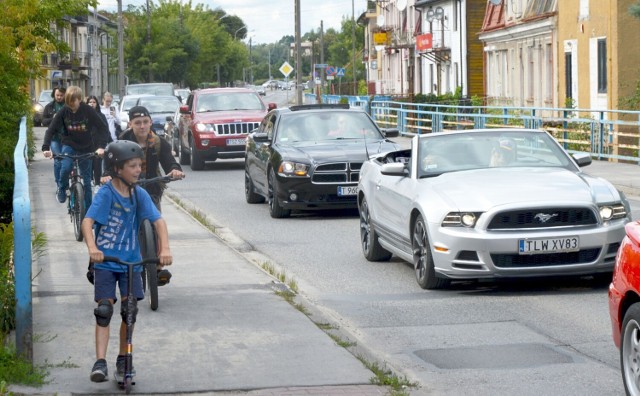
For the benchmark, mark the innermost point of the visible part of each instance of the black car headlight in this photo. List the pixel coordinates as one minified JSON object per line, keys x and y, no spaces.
{"x":460,"y":219}
{"x":290,"y":168}
{"x":612,"y":211}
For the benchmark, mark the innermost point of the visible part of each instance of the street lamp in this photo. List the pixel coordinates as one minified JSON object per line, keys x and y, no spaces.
{"x":235,"y":35}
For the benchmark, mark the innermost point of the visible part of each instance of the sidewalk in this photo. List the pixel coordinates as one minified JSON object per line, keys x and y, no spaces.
{"x":219,"y":327}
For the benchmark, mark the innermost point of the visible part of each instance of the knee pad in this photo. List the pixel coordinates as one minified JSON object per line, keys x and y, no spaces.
{"x":123,"y":309}
{"x":103,"y":313}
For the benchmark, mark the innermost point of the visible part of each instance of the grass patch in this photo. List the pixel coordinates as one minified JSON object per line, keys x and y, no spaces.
{"x":341,"y":342}
{"x":385,"y":377}
{"x":16,"y":370}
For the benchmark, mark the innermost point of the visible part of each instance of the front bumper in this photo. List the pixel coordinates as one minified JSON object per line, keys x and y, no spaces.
{"x":218,"y":147}
{"x":311,"y":196}
{"x":462,"y":253}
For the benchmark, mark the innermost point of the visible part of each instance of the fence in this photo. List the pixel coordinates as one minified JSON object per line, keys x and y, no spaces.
{"x":606,"y":134}
{"x":22,"y":247}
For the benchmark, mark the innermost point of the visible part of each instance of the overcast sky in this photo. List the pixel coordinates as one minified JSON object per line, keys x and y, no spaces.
{"x":272,"y":19}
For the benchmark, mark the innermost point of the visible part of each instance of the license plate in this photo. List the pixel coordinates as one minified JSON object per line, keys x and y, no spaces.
{"x":348,"y":190}
{"x":549,"y":245}
{"x":236,"y":142}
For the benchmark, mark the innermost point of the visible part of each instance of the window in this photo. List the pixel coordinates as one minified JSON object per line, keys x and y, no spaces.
{"x":568,"y":73}
{"x":602,"y":65}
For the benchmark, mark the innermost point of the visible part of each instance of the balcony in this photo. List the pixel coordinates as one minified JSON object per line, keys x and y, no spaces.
{"x":72,"y":61}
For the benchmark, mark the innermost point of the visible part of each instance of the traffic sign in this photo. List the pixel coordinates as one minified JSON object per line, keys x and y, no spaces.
{"x":331,"y":71}
{"x":340,"y":72}
{"x":321,"y":65}
{"x":286,"y":69}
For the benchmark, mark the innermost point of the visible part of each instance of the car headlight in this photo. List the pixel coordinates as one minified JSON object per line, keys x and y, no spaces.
{"x":289,"y":168}
{"x":201,"y":127}
{"x":613,"y":212}
{"x":38,"y":108}
{"x":460,"y":219}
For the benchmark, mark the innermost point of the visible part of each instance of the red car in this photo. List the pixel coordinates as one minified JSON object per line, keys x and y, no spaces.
{"x":215,"y":122}
{"x":624,"y":307}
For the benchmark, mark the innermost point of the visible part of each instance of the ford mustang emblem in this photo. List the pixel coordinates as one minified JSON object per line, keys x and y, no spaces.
{"x":544,"y":217}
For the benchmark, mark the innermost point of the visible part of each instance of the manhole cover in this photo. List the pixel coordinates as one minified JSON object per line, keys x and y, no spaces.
{"x":494,"y":356}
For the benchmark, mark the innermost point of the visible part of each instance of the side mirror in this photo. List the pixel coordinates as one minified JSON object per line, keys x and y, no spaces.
{"x":184,"y":109}
{"x":582,"y":159}
{"x":272,"y":106}
{"x":260,"y":137}
{"x":394,"y":169}
{"x":390,"y":132}
{"x":169,"y":119}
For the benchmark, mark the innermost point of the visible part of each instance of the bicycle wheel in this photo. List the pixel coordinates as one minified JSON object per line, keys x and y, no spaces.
{"x":77,"y":208}
{"x":148,"y":248}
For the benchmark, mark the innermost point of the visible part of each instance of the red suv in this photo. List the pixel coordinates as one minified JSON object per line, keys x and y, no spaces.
{"x":215,"y":122}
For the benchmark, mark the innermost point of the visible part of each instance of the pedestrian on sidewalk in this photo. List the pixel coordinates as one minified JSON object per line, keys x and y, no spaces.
{"x":48,"y":113}
{"x":93,"y":101}
{"x":83,"y":132}
{"x":110,"y":228}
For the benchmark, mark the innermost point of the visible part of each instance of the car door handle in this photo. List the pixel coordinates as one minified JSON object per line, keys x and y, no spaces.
{"x":378,"y":184}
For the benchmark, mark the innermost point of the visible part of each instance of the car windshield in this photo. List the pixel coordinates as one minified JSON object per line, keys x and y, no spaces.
{"x":160,"y":104}
{"x":326,"y":126}
{"x":128,"y":103}
{"x":228,"y":101}
{"x":441,"y":153}
{"x":45,"y":96}
{"x":152,"y":89}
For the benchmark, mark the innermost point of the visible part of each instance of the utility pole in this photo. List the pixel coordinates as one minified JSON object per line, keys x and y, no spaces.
{"x":322,"y":70}
{"x":298,"y":56}
{"x":250,"y":63}
{"x":353,"y":45}
{"x":120,"y":52}
{"x":149,"y":39}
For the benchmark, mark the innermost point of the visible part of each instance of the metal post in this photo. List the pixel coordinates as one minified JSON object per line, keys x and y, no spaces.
{"x":120,"y":52}
{"x":298,"y":56}
{"x":353,"y":45}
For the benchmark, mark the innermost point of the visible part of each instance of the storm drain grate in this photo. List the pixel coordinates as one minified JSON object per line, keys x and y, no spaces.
{"x":494,"y":356}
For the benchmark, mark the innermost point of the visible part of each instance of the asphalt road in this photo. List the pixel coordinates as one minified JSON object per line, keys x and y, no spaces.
{"x":533,"y":337}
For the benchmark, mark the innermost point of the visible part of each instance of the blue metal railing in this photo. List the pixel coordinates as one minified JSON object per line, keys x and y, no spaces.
{"x":22,"y":247}
{"x":606,"y":134}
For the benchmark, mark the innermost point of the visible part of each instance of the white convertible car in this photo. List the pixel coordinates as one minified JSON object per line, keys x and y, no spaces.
{"x":496,"y":203}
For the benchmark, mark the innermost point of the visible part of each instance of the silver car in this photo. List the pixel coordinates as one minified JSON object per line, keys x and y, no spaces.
{"x":496,"y":203}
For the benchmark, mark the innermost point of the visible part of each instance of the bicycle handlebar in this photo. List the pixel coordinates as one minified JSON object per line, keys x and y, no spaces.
{"x":164,"y":179}
{"x":121,"y":262}
{"x":75,"y":156}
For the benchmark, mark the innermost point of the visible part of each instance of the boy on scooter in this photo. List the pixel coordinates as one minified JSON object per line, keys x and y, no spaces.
{"x":117,"y":210}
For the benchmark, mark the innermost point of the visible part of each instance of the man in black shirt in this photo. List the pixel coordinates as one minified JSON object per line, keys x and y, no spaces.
{"x":84,"y":132}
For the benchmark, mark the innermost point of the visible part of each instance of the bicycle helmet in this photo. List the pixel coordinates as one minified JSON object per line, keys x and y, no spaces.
{"x":120,"y":151}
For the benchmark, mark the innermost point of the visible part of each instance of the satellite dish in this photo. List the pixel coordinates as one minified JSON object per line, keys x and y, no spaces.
{"x":495,"y":2}
{"x":380,"y":20}
{"x":402,"y":4}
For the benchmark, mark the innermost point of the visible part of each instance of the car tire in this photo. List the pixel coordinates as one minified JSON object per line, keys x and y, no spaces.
{"x":275,"y":209}
{"x":174,"y":146}
{"x":197,"y":162}
{"x":630,"y":349}
{"x":423,"y":259}
{"x":249,"y":193}
{"x":183,"y":156}
{"x":371,"y":248}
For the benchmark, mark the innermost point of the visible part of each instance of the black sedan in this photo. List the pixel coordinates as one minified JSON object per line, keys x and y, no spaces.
{"x":309,"y":157}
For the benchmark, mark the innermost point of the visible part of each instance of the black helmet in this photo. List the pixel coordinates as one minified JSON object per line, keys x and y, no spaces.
{"x":120,"y":151}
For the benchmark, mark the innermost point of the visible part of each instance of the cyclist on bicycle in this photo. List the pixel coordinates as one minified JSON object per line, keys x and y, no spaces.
{"x":157,"y":153}
{"x":118,"y":208}
{"x":83,"y":132}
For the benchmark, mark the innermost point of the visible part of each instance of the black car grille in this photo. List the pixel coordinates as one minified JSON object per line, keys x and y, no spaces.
{"x":337,"y":172}
{"x":236,"y":128}
{"x":535,"y":218}
{"x":544,"y":260}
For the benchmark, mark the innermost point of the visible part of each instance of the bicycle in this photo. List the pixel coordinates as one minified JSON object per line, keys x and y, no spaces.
{"x":149,"y":248}
{"x":75,"y":204}
{"x":126,"y":382}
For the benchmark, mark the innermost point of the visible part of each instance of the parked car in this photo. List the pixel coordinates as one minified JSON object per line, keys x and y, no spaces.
{"x":171,"y":132}
{"x":38,"y":106}
{"x":309,"y":157}
{"x":160,"y":107}
{"x":624,"y":306}
{"x":260,"y":90}
{"x":215,"y":122}
{"x":128,"y":101}
{"x":496,"y":203}
{"x":182,"y":94}
{"x":149,"y":88}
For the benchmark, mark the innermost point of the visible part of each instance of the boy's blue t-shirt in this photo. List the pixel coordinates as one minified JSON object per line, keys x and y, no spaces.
{"x":116,"y":224}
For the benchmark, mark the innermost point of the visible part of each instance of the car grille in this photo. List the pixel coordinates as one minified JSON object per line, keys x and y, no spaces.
{"x":544,"y":260}
{"x":337,"y":172}
{"x":535,"y":218}
{"x":236,"y":128}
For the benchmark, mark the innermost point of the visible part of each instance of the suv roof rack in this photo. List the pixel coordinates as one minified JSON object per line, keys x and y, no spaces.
{"x":319,"y":106}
